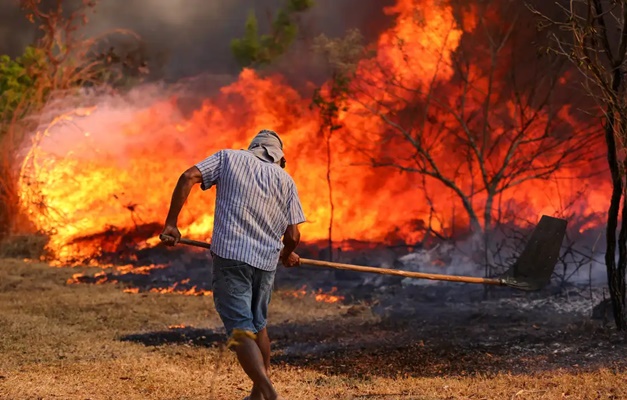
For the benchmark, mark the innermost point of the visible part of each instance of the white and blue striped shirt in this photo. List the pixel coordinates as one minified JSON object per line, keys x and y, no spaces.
{"x":255,"y":202}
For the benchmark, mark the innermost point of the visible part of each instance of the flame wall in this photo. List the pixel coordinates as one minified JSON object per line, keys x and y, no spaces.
{"x":115,"y":163}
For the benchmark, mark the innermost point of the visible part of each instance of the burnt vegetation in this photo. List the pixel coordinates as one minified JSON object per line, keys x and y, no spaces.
{"x":501,"y":109}
{"x":60,"y":63}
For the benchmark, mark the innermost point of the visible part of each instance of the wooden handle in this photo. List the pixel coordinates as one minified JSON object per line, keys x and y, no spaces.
{"x":194,"y":243}
{"x":383,"y":271}
{"x":406,"y":274}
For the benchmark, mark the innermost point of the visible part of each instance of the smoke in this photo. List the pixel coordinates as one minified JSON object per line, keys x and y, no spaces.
{"x":97,"y":126}
{"x":188,"y":37}
{"x":584,"y":267}
{"x":15,"y":32}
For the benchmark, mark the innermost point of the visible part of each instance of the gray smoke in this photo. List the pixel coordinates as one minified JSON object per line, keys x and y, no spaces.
{"x":188,"y":37}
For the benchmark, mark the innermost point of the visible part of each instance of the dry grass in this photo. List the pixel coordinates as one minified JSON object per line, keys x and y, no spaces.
{"x":31,"y":246}
{"x":63,"y":342}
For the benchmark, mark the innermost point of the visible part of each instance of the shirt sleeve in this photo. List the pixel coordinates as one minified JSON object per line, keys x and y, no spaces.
{"x":295,"y":209}
{"x":210,"y":169}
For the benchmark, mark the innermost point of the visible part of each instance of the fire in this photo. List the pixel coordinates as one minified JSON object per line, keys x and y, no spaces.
{"x":319,"y":295}
{"x":328,"y":297}
{"x":193,"y":291}
{"x":96,"y":174}
{"x":178,"y":326}
{"x":75,"y":278}
{"x":102,"y":277}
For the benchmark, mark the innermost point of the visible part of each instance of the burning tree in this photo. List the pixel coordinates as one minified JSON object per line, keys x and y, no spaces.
{"x":476,"y":119}
{"x":592,"y":35}
{"x":59,"y":63}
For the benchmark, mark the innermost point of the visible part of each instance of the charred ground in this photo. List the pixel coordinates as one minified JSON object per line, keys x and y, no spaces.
{"x":394,"y":328}
{"x":388,"y":338}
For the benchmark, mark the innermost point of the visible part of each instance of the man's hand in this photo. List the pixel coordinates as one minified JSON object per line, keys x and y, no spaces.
{"x":170,"y":235}
{"x":291,"y":260}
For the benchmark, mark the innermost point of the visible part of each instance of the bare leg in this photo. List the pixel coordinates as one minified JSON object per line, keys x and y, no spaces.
{"x":251,"y":360}
{"x":263,"y":342}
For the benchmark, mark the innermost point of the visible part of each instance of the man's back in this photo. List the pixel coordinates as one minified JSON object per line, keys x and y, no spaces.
{"x":255,"y":203}
{"x":256,"y":221}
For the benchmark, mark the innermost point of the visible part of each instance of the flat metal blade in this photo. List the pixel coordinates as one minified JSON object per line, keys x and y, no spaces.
{"x":534,"y":267}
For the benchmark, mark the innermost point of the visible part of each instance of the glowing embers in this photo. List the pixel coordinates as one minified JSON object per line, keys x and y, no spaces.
{"x":193,"y":291}
{"x":135,"y":283}
{"x":319,"y":295}
{"x":138,"y":280}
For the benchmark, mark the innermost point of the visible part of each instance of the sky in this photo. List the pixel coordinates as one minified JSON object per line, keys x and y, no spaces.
{"x":190,"y":37}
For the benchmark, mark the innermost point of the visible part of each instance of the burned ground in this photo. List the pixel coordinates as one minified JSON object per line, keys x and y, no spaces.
{"x":486,"y":338}
{"x":429,"y":327}
{"x":388,"y":339}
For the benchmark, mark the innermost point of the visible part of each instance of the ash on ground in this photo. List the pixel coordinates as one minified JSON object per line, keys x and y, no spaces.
{"x":425,"y":328}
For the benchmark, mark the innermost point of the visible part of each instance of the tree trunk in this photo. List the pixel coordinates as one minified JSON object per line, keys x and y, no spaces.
{"x":475,"y":225}
{"x":615,"y":275}
{"x":615,"y":283}
{"x":487,"y":223}
{"x":330,"y":186}
{"x":622,"y":262}
{"x":487,"y":226}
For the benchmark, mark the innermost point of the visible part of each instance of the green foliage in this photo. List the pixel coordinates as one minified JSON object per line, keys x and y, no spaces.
{"x":254,"y":50}
{"x":18,"y":79}
{"x":247,"y":50}
{"x":294,"y":6}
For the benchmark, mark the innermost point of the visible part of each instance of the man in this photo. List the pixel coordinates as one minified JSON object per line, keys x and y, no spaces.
{"x":256,"y":204}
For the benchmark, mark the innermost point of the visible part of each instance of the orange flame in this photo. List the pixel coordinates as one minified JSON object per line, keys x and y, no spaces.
{"x":112,"y":167}
{"x":319,"y":296}
{"x":328,"y":297}
{"x":75,"y":279}
{"x":178,"y":326}
{"x":193,"y":291}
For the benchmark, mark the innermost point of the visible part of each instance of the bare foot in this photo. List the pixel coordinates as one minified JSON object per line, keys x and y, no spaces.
{"x":260,"y":397}
{"x":255,"y":394}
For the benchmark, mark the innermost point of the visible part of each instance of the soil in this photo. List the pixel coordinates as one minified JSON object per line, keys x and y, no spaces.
{"x":413,"y":328}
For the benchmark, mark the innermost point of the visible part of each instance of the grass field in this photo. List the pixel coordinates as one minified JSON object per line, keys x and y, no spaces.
{"x":60,"y":341}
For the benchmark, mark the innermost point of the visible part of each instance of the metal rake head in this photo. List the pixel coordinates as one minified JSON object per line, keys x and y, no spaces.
{"x":534,"y":267}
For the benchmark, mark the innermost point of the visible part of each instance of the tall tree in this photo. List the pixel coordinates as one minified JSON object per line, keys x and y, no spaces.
{"x":490,"y":125}
{"x":592,"y":35}
{"x":330,"y":99}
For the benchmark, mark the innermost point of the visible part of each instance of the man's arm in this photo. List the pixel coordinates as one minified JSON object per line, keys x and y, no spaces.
{"x":184,"y":185}
{"x":207,"y":173}
{"x":291,"y":238}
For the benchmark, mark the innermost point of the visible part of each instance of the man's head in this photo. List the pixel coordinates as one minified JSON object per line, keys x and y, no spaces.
{"x":267,"y":145}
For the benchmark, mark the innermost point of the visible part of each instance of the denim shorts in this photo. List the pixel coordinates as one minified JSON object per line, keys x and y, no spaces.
{"x":241,"y":294}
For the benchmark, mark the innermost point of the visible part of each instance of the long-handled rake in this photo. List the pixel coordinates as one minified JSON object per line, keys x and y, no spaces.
{"x":531,"y":271}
